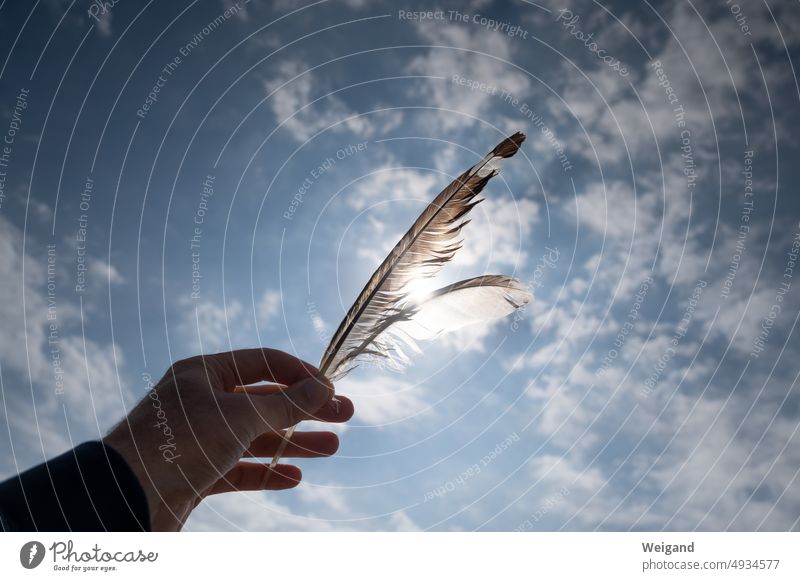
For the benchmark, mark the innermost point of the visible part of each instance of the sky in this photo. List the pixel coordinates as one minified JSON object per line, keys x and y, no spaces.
{"x":192,"y":177}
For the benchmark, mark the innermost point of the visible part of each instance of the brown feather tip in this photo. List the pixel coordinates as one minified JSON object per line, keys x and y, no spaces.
{"x":509,"y":145}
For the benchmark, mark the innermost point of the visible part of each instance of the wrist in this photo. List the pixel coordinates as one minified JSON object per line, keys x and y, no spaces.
{"x":121,"y":443}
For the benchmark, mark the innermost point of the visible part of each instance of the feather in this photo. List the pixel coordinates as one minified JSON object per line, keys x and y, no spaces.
{"x":431,"y":242}
{"x":468,"y":302}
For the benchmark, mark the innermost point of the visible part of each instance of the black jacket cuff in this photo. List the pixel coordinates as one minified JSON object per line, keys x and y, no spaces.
{"x":89,"y":488}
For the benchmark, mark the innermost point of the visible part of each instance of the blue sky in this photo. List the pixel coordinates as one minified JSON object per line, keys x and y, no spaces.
{"x":188,"y":177}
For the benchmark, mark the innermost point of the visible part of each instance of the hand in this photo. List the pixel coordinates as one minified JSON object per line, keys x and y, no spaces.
{"x":187,"y":438}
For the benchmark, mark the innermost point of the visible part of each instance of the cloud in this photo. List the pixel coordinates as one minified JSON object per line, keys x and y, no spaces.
{"x":21,"y":298}
{"x":269,"y":307}
{"x":498,"y":234}
{"x":41,"y":210}
{"x":465,"y":61}
{"x":561,"y":473}
{"x":258,"y":511}
{"x":706,"y":61}
{"x":94,"y":392}
{"x":383,"y":399}
{"x":103,"y":23}
{"x":252,"y":511}
{"x":211,"y":327}
{"x":472,"y":338}
{"x":690,"y":454}
{"x":297,"y":98}
{"x":54,"y":375}
{"x":241,"y":10}
{"x":393,"y":183}
{"x":401,"y":522}
{"x":495,"y":239}
{"x":104,"y":273}
{"x":332,"y":496}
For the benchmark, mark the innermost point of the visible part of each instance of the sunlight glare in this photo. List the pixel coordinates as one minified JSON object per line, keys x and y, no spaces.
{"x":420,"y":289}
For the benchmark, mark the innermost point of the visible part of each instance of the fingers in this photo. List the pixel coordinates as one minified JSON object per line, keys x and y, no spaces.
{"x":281,"y":410}
{"x":337,"y":410}
{"x":246,"y":366}
{"x":252,"y":476}
{"x":302,"y":445}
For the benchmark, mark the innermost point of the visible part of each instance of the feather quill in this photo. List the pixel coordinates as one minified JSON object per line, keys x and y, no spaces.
{"x":382,"y":322}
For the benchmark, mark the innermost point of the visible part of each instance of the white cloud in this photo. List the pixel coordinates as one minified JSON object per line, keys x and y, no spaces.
{"x":498,"y":234}
{"x":697,"y":460}
{"x":252,"y":511}
{"x":472,"y":338}
{"x":85,"y":390}
{"x":560,"y":472}
{"x":383,"y":399}
{"x":39,"y":209}
{"x":269,"y":307}
{"x":329,"y":495}
{"x":241,"y":9}
{"x":104,"y":273}
{"x":293,"y":89}
{"x":466,"y":62}
{"x":258,"y":511}
{"x":401,"y":522}
{"x":103,"y":23}
{"x":393,"y":183}
{"x":212,"y":327}
{"x":15,"y":293}
{"x":318,"y":323}
{"x":94,"y":392}
{"x":707,"y":68}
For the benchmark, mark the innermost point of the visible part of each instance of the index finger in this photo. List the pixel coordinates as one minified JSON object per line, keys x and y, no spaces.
{"x":246,"y":366}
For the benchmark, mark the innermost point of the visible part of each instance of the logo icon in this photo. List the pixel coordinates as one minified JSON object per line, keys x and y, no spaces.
{"x":31,"y":554}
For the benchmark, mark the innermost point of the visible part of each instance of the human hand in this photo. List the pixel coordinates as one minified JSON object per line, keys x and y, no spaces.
{"x":187,"y":438}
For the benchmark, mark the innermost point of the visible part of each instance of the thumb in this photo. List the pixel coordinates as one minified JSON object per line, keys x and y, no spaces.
{"x":281,"y":410}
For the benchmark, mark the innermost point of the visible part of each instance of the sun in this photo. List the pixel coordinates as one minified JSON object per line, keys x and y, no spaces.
{"x":420,"y":289}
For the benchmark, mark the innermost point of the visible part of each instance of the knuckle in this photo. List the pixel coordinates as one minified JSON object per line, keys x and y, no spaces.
{"x":283,"y":412}
{"x":186,"y":364}
{"x":277,"y":412}
{"x":193,"y":372}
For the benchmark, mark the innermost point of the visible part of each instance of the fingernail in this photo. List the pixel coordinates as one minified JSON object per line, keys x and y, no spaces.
{"x":317,"y":392}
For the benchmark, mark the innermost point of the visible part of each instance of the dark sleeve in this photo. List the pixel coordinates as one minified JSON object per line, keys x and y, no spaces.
{"x":89,"y":488}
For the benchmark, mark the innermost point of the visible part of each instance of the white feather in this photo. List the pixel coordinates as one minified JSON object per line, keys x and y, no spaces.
{"x":477,"y":300}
